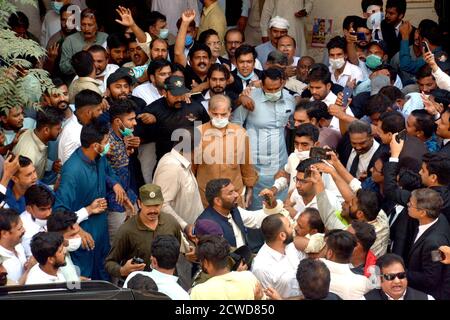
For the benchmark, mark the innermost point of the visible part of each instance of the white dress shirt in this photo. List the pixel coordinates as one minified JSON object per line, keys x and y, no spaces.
{"x":166,"y":283}
{"x":345,"y":283}
{"x":350,"y":72}
{"x":179,"y":188}
{"x":300,"y":206}
{"x":37,"y":276}
{"x":69,"y":140}
{"x":14,"y":265}
{"x":31,"y":228}
{"x":110,"y":69}
{"x":329,"y":100}
{"x":364,"y":159}
{"x":148,"y":92}
{"x":277,"y":270}
{"x":423,"y":228}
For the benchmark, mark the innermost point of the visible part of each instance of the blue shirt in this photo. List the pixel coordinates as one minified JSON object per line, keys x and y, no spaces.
{"x":263,"y":51}
{"x":407,"y":64}
{"x":266,"y":130}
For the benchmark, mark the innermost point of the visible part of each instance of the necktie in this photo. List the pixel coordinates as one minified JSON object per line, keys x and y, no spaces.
{"x":377,"y":37}
{"x":354,"y":167}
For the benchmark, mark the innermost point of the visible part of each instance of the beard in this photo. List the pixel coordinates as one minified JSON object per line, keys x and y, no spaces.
{"x":289,"y":239}
{"x":60,"y":264}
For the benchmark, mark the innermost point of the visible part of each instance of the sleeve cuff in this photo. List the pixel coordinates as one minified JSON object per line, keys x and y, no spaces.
{"x":82,"y":215}
{"x":355,"y":185}
{"x":278,"y":209}
{"x":2,"y":189}
{"x":281,"y":184}
{"x":393,"y":160}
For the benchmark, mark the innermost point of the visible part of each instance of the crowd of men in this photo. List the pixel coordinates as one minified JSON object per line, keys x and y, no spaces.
{"x":198,"y":152}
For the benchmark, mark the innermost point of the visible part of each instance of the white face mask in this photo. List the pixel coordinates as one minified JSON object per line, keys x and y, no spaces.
{"x":336,"y":64}
{"x":374,"y":21}
{"x":41,"y":223}
{"x":302,"y":155}
{"x":219,"y":123}
{"x":74,"y":244}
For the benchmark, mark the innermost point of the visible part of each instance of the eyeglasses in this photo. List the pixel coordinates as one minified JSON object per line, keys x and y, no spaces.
{"x":300,"y":181}
{"x":392,"y":276}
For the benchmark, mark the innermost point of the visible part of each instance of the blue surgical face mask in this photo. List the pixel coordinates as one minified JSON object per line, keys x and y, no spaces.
{"x":105,"y":150}
{"x":373,"y":61}
{"x":163,"y":33}
{"x":249,"y":77}
{"x":189,"y":40}
{"x":56,"y":6}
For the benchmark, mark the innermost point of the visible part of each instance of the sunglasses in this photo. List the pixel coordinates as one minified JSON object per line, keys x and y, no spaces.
{"x":392,"y":276}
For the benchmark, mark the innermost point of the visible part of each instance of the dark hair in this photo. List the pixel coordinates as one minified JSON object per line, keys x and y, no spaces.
{"x":378,"y":103}
{"x":400,"y":5}
{"x":87,"y":98}
{"x":319,"y":73}
{"x":365,"y":234}
{"x":271,"y":227}
{"x":392,"y":122}
{"x":24,"y":161}
{"x":92,"y":133}
{"x":314,"y":220}
{"x":337,"y":43}
{"x":392,"y":71}
{"x":365,"y":4}
{"x":48,"y":117}
{"x":424,"y":122}
{"x":65,"y":8}
{"x":61,"y":220}
{"x":142,"y":283}
{"x":392,"y":92}
{"x":158,"y":64}
{"x":221,"y":68}
{"x":308,"y":130}
{"x":203,"y":37}
{"x":39,"y":196}
{"x":18,"y":19}
{"x":88,"y":12}
{"x":152,"y":18}
{"x":273,"y":74}
{"x":360,"y":23}
{"x":318,"y":110}
{"x":213,"y":189}
{"x":314,"y":279}
{"x":342,"y":243}
{"x":215,"y":249}
{"x":45,"y":245}
{"x":409,"y":179}
{"x":349,"y":21}
{"x":430,"y":30}
{"x":8,"y":217}
{"x":359,"y":126}
{"x":116,"y":40}
{"x":424,"y":72}
{"x":83,"y":63}
{"x":95,"y":48}
{"x":57,"y":82}
{"x":388,"y":260}
{"x":245,"y":49}
{"x":199,"y":47}
{"x":166,"y":249}
{"x":234,"y":30}
{"x":439,"y":164}
{"x":154,"y":41}
{"x":305,"y":164}
{"x":368,"y":204}
{"x":121,"y":107}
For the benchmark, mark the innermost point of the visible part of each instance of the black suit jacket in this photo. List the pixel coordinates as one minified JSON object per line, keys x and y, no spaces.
{"x":392,"y":40}
{"x":425,"y":275}
{"x":446,"y":149}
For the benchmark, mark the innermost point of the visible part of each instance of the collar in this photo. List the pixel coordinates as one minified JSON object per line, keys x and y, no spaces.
{"x":208,"y":10}
{"x":89,"y":79}
{"x":184,"y":162}
{"x":277,"y":256}
{"x":374,"y":147}
{"x":141,"y":226}
{"x":444,"y":143}
{"x":425,"y":227}
{"x":329,"y":99}
{"x":167,"y":277}
{"x":113,"y":134}
{"x":107,"y":70}
{"x":207,"y":95}
{"x":84,"y":158}
{"x":42,"y":146}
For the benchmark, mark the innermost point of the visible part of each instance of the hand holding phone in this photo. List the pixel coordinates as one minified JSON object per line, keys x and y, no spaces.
{"x":437,"y":256}
{"x":348,"y":92}
{"x":401,"y":136}
{"x":320,"y":153}
{"x":425,"y":47}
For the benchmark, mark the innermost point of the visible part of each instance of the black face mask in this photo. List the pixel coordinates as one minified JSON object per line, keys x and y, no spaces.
{"x":3,"y":278}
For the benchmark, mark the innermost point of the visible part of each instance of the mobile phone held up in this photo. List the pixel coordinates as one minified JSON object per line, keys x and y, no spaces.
{"x":437,"y":256}
{"x":425,"y":47}
{"x":401,"y":136}
{"x":348,"y":92}
{"x":319,"y":153}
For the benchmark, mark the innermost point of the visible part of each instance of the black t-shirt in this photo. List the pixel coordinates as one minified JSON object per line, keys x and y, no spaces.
{"x":169,"y":119}
{"x":189,"y":76}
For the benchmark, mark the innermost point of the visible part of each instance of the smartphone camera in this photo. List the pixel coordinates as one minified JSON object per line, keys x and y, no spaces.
{"x":401,"y":136}
{"x":320,"y":153}
{"x":425,"y":47}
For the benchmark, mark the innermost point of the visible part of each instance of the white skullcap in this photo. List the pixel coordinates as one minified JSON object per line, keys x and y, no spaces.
{"x":279,"y":22}
{"x":316,"y":243}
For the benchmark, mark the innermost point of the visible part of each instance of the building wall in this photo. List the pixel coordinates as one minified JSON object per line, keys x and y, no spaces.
{"x":339,"y":9}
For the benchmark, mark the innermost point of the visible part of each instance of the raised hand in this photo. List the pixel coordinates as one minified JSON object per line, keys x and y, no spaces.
{"x":188,"y":16}
{"x":126,"y":18}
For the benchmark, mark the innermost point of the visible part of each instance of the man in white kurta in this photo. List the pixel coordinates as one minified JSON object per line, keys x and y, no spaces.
{"x":288,"y":9}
